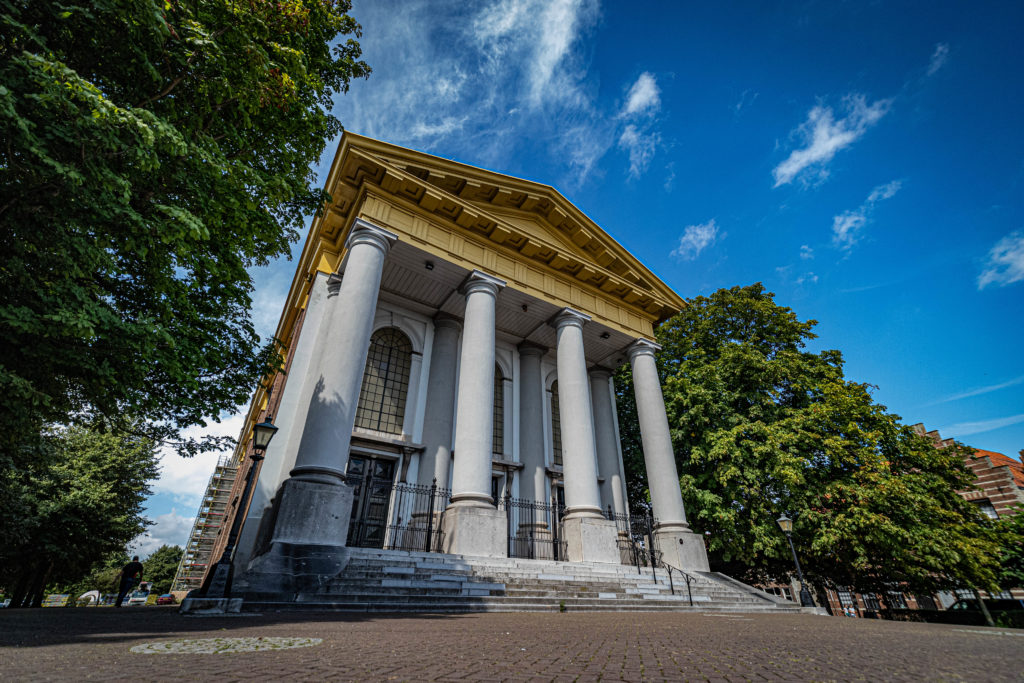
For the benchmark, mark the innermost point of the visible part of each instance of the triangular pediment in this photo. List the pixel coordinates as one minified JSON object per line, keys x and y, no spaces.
{"x":530,"y":219}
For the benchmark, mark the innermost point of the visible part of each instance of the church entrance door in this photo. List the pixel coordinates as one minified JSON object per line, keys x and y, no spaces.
{"x":372,"y":479}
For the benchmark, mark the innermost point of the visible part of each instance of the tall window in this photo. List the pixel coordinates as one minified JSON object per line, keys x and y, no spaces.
{"x":871,"y":601}
{"x":556,"y":425}
{"x":385,"y":382}
{"x":498,"y":440}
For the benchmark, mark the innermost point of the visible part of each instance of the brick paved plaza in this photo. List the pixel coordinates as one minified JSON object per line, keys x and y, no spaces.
{"x":79,"y":644}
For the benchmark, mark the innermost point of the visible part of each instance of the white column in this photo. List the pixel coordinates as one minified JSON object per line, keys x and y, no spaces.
{"x":440,"y":409}
{"x":659,"y":458}
{"x":280,"y":457}
{"x":579,"y":455}
{"x":474,"y":426}
{"x":291,"y":414}
{"x":604,"y":432}
{"x":323,"y":451}
{"x":531,"y":422}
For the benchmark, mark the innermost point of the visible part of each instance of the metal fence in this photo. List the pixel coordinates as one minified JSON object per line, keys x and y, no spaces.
{"x":638,"y":545}
{"x":398,"y":516}
{"x":534,"y":529}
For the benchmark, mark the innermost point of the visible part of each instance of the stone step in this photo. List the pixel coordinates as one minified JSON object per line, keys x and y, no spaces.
{"x":464,"y":607}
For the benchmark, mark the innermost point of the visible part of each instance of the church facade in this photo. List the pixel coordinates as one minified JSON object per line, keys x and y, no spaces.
{"x":450,"y":335}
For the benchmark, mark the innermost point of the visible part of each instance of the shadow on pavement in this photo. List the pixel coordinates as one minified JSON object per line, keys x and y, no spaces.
{"x":41,"y":627}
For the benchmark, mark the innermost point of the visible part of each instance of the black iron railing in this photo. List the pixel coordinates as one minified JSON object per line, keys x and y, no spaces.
{"x":534,"y":529}
{"x":638,"y":545}
{"x":398,"y":516}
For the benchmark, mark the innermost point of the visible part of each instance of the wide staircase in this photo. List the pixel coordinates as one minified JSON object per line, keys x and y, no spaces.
{"x":400,"y":581}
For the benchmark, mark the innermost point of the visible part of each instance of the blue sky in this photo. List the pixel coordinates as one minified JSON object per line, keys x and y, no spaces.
{"x":864,"y":160}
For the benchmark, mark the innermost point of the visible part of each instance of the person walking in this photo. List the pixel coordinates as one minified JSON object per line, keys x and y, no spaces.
{"x":131,"y":576}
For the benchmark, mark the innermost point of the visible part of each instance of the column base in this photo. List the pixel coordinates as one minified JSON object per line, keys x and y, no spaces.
{"x":591,"y":539}
{"x":307,"y":544}
{"x":310,"y":512}
{"x":199,"y":607}
{"x":478,"y":531}
{"x":682,"y":549}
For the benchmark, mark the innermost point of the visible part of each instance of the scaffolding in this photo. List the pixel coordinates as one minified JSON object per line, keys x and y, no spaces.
{"x":209,"y":521}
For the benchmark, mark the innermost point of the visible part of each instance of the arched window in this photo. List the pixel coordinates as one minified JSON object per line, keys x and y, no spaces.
{"x":498,"y":441}
{"x":556,"y":425}
{"x":385,"y":382}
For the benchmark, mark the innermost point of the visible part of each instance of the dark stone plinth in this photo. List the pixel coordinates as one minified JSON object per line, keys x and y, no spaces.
{"x":307,"y":548}
{"x":289,"y":568}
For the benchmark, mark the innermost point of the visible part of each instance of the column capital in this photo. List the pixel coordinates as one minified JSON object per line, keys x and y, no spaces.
{"x":479,"y":281}
{"x":447,"y":321}
{"x":528,"y":348}
{"x":642,"y":347}
{"x":599,"y":372}
{"x":568,"y":316}
{"x":364,"y":232}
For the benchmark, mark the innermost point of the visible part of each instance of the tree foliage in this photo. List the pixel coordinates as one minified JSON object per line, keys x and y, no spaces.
{"x":152,"y":151}
{"x":1011,"y":560}
{"x":72,"y":507}
{"x":762,"y":427}
{"x":161,"y":566}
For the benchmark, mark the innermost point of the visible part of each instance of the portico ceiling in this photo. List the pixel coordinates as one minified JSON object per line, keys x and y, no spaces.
{"x":408,"y":281}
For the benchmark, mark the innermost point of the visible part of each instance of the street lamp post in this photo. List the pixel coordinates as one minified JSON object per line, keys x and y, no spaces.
{"x":786,"y":524}
{"x":220,"y":583}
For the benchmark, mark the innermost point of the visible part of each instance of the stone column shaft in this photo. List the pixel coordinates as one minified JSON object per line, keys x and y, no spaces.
{"x":345,"y":341}
{"x":659,"y":458}
{"x":607,"y":446}
{"x":440,"y":409}
{"x":474,"y":426}
{"x":531,"y":422}
{"x":579,"y":454}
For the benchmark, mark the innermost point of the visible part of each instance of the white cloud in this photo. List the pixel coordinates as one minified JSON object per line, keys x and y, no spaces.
{"x":474,"y":80}
{"x":637,"y":139}
{"x":643,"y":97}
{"x":887,"y":191}
{"x":446,"y":126}
{"x":641,"y":148}
{"x":670,"y":176}
{"x":806,"y":252}
{"x":185,"y":479}
{"x":807,"y":279}
{"x":939,"y":58}
{"x":695,"y":239}
{"x":169,"y":529}
{"x":1005,"y":263}
{"x":746,"y":99}
{"x":822,"y":136}
{"x":982,"y":390}
{"x":846,"y":226}
{"x":968,"y":428}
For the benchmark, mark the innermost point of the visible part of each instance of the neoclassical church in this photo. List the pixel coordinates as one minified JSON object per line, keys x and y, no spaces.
{"x":450,"y":335}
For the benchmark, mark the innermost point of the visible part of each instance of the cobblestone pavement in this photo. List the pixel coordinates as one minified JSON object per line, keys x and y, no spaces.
{"x":95,"y":643}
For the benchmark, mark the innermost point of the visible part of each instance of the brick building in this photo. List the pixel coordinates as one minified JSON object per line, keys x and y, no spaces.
{"x":999,"y":478}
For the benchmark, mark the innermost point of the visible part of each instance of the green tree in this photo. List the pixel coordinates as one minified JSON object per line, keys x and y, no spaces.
{"x":72,"y":508}
{"x":152,"y":151}
{"x":1011,"y":560}
{"x":161,"y":566}
{"x":762,"y":427}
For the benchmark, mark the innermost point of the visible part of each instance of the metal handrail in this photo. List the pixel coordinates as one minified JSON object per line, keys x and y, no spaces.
{"x":686,"y":575}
